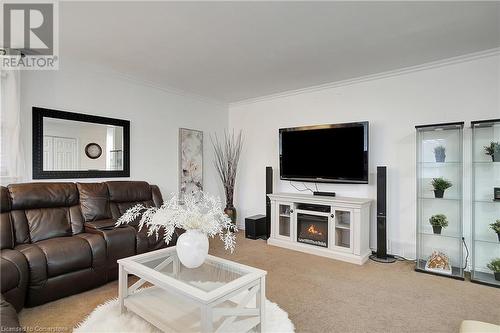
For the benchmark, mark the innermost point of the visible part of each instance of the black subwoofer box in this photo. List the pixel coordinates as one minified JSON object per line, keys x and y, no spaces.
{"x":255,"y":227}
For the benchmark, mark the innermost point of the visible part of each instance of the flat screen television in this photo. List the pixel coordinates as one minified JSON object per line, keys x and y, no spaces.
{"x":336,"y":153}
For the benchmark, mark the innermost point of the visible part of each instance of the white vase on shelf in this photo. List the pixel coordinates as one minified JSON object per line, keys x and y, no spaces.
{"x":192,"y":248}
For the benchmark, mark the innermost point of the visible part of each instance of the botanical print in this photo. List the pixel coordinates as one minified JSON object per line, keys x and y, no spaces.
{"x":191,"y":161}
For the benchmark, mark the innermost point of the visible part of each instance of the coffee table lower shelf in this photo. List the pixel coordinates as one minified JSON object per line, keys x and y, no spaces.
{"x":169,"y":312}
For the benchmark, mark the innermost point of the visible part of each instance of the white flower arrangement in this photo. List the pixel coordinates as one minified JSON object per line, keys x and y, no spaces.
{"x":198,"y":211}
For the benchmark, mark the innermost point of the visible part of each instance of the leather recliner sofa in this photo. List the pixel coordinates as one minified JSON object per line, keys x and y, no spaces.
{"x":59,"y":239}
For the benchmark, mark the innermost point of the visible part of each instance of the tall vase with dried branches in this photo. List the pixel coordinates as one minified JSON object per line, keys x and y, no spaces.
{"x":227,"y":154}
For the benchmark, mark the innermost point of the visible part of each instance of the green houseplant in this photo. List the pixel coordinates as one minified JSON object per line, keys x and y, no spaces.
{"x":440,"y":185}
{"x":496,"y":228}
{"x":494,"y":265}
{"x":493,"y":150}
{"x":440,"y":154}
{"x":438,"y":222}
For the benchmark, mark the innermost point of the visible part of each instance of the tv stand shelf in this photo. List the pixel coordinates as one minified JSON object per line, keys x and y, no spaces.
{"x":346,"y":235}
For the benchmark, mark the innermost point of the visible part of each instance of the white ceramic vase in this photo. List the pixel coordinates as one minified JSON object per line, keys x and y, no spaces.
{"x":192,"y":248}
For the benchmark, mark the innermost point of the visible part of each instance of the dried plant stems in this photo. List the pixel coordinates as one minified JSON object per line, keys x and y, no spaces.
{"x":227,"y":154}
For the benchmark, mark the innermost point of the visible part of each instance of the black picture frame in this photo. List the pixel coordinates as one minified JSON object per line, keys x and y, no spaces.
{"x":39,"y":113}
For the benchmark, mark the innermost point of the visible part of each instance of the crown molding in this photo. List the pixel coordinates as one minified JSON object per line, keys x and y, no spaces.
{"x":76,"y":67}
{"x":373,"y":77}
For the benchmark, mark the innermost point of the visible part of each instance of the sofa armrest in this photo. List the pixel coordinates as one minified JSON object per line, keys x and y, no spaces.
{"x":14,"y":277}
{"x":106,"y":224}
{"x":8,"y":317}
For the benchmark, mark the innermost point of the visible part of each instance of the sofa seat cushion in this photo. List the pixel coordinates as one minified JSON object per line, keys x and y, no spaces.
{"x":65,"y":254}
{"x":147,"y":243}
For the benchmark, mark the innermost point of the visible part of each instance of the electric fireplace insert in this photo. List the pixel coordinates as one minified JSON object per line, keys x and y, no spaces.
{"x":312,"y":229}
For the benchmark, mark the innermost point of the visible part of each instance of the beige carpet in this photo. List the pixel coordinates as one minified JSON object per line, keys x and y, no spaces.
{"x":323,"y":295}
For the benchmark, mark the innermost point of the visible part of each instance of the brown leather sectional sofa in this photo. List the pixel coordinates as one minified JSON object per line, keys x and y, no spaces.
{"x":59,"y":239}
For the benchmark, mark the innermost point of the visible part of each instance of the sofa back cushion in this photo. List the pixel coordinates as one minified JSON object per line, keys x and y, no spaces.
{"x":42,"y":195}
{"x":126,"y":194}
{"x":4,"y":200}
{"x":45,"y":223}
{"x":6,"y":232}
{"x":44,"y":210}
{"x":94,"y":201}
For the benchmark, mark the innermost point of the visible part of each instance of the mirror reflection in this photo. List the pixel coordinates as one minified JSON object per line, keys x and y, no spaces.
{"x":70,"y":145}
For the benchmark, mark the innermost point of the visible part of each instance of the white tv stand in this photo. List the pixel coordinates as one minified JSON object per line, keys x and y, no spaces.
{"x":348,"y":226}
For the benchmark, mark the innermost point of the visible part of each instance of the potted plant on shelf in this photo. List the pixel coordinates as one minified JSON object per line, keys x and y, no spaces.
{"x":493,"y":150}
{"x":440,"y":185}
{"x":438,"y":222}
{"x":227,"y":154}
{"x":198,"y":213}
{"x":440,"y":154}
{"x":494,"y":265}
{"x":496,"y":228}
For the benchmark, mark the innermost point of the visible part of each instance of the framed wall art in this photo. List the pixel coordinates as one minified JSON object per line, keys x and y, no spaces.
{"x":190,"y":161}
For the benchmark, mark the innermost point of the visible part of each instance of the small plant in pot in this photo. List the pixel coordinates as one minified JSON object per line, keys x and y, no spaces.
{"x":438,"y":222}
{"x":493,"y":150}
{"x":494,"y":265}
{"x":496,"y":228}
{"x":440,"y":185}
{"x":440,"y":154}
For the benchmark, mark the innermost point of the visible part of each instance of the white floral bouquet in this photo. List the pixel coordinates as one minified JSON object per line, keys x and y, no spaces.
{"x":198,"y":211}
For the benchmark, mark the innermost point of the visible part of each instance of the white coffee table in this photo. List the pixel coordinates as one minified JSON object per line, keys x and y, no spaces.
{"x":219,"y":296}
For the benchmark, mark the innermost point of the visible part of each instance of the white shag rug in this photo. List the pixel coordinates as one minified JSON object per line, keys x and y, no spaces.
{"x":107,"y":318}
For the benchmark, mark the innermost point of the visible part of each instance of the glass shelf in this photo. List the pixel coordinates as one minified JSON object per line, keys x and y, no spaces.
{"x":343,"y":226}
{"x":440,"y":199}
{"x":485,"y":210}
{"x":488,"y":241}
{"x":442,"y":234}
{"x":440,"y":164}
{"x":433,"y":163}
{"x":284,"y":220}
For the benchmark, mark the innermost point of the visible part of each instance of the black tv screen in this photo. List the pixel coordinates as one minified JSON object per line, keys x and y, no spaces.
{"x":335,"y":153}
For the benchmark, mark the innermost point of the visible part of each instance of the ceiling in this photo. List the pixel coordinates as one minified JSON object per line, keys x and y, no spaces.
{"x":232,"y":51}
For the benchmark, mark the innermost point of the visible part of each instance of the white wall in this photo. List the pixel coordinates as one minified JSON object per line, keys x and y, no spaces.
{"x":155,"y":118}
{"x":462,"y":91}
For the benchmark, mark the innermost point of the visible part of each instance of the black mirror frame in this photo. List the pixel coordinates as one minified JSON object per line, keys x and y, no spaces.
{"x":39,"y":173}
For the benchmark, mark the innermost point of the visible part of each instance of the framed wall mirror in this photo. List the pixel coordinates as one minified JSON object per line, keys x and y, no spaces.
{"x":75,"y":145}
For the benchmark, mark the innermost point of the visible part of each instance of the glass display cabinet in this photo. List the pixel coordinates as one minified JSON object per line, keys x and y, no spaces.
{"x":439,"y":199}
{"x":486,"y":202}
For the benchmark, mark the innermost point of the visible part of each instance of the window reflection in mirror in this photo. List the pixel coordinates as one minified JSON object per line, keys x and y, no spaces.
{"x":70,"y":145}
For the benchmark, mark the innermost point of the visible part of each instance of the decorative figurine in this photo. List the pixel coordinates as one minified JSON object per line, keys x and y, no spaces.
{"x":438,"y":262}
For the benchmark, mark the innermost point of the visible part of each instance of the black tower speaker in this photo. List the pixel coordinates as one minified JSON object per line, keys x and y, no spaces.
{"x":381,"y":255}
{"x":269,"y":190}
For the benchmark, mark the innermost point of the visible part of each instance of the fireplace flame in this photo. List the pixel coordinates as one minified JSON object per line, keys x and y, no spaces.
{"x":312,"y":230}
